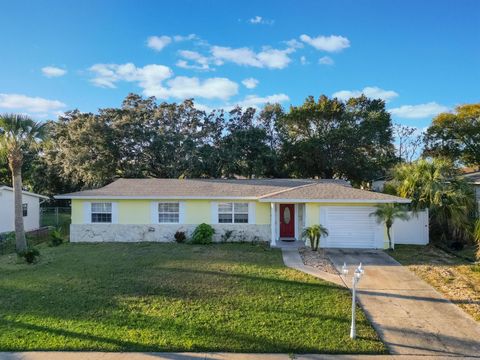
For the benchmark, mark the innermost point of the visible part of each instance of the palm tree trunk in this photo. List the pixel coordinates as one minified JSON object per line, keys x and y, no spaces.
{"x":389,"y":238}
{"x":20,"y":240}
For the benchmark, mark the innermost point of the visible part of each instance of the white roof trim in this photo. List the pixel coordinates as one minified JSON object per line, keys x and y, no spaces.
{"x":400,"y":201}
{"x":86,"y":197}
{"x":286,"y":190}
{"x":405,"y":201}
{"x":24,"y":192}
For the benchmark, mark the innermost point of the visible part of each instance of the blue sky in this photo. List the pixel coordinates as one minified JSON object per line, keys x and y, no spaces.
{"x":422,"y":57}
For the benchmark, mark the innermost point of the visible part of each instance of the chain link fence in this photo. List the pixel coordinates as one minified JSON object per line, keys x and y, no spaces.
{"x":58,"y":217}
{"x":50,"y":218}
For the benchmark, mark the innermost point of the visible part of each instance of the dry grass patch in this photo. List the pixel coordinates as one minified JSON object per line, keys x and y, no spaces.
{"x":456,"y":278}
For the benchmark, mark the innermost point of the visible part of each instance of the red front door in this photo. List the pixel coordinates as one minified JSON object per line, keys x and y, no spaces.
{"x":287,"y":220}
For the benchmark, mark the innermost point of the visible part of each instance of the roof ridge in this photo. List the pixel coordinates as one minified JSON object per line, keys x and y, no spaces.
{"x":286,"y":190}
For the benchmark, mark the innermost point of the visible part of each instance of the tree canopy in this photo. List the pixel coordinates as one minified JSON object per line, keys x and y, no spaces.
{"x":436,"y":185}
{"x":456,"y":135}
{"x":322,"y":138}
{"x":329,"y":138}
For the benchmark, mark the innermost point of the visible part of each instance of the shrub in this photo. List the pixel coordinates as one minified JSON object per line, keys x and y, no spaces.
{"x":456,"y":245}
{"x":203,"y":234}
{"x":180,"y":237}
{"x":56,"y":237}
{"x":30,"y":255}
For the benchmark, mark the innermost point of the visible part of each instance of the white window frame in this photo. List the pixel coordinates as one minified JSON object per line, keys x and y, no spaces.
{"x":168,"y":213}
{"x":101,"y":212}
{"x":155,"y":213}
{"x":233,"y":212}
{"x":87,"y":212}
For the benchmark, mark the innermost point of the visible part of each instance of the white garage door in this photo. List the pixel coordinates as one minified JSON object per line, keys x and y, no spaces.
{"x":351,"y":227}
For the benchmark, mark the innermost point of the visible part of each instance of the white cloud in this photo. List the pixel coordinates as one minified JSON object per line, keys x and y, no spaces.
{"x":179,"y":38}
{"x":250,"y":83}
{"x":274,"y":58}
{"x":268,"y":58}
{"x":25,"y":103}
{"x":419,"y":111}
{"x":107,"y":75}
{"x":326,"y":60}
{"x":369,"y":91}
{"x":153,"y":80}
{"x":294,"y":44}
{"x":203,"y":107}
{"x":303,"y":60}
{"x":332,"y":43}
{"x":200,"y":60}
{"x":186,"y":87}
{"x":52,"y":71}
{"x":157,"y":43}
{"x":256,"y":101}
{"x":260,"y":20}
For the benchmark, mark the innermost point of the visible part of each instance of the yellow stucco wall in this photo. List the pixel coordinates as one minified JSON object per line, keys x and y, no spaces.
{"x":312,"y":214}
{"x":134,"y":212}
{"x":262,"y":212}
{"x":77,"y":211}
{"x":139,"y":211}
{"x":198,"y":211}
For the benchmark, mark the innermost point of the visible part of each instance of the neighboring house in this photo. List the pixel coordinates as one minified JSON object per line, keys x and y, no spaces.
{"x":378,"y":185}
{"x":474,"y":179}
{"x":270,"y":210}
{"x":30,"y":206}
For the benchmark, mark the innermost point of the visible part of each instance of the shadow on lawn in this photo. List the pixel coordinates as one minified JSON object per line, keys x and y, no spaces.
{"x":92,"y":294}
{"x":221,"y":336}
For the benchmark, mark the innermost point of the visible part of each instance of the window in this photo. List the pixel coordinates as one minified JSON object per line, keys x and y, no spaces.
{"x":168,"y":212}
{"x":25,"y":209}
{"x":101,"y":212}
{"x":229,"y":213}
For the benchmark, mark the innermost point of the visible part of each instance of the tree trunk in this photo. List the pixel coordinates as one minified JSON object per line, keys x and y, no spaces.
{"x":20,"y":240}
{"x":389,"y":238}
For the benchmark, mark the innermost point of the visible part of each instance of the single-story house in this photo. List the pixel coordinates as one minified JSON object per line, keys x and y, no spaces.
{"x":268,"y":209}
{"x":30,"y":207}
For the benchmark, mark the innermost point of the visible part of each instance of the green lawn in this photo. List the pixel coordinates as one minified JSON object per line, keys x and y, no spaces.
{"x":170,"y":297}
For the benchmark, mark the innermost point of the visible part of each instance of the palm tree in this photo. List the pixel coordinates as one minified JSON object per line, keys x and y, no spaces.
{"x":435,"y":184}
{"x":314,"y":233}
{"x":387,"y":213}
{"x":18,"y":134}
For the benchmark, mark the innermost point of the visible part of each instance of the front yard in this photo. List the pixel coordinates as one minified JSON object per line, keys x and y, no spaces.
{"x":456,"y":278}
{"x":170,"y":297}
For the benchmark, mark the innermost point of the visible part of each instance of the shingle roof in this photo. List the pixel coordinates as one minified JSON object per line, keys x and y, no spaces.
{"x":230,"y":189}
{"x":473,"y":177}
{"x":333,"y":192}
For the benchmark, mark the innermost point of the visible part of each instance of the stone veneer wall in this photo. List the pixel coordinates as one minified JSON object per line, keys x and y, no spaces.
{"x":162,"y":233}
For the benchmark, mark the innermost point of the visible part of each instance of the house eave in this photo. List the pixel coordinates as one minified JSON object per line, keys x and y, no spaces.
{"x":117,"y":197}
{"x":372,"y":201}
{"x":25,"y":192}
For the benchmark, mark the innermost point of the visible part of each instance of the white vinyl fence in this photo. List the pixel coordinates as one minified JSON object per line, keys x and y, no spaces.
{"x":412,"y":231}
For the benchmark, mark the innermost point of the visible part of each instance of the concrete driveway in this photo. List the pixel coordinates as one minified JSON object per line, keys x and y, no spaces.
{"x":411,"y":317}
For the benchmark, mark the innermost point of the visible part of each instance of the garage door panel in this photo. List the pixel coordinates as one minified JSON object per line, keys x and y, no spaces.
{"x":349,"y":227}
